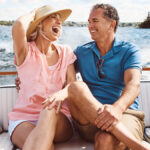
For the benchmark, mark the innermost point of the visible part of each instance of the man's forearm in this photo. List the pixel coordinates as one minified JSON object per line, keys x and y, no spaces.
{"x":128,"y":96}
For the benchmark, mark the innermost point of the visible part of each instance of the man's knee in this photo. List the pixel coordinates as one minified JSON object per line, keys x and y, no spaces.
{"x":102,"y":139}
{"x":76,"y":88}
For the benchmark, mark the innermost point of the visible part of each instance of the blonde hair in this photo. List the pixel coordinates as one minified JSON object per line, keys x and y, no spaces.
{"x":35,"y":34}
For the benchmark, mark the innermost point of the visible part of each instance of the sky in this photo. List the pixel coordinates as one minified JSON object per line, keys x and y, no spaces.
{"x":129,"y":10}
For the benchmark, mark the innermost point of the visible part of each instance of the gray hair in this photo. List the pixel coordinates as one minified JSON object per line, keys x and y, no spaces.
{"x":109,"y":12}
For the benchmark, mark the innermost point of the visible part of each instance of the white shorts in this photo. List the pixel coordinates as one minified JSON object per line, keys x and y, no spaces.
{"x":14,"y":124}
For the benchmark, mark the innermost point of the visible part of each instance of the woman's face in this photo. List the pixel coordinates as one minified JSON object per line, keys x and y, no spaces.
{"x":52,"y":27}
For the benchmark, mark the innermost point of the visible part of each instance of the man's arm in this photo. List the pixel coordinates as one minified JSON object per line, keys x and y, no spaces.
{"x":17,"y":83}
{"x":131,"y":91}
{"x":111,"y":114}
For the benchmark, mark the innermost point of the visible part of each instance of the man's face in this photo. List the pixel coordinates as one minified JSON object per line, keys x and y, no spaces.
{"x":99,"y":27}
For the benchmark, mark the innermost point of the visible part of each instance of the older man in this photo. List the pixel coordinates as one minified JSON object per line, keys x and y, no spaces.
{"x":111,"y":70}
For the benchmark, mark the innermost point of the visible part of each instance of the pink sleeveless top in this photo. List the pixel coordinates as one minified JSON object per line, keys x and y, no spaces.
{"x":38,"y":81}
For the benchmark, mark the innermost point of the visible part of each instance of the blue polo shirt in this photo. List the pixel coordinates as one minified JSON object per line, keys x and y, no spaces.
{"x":121,"y":57}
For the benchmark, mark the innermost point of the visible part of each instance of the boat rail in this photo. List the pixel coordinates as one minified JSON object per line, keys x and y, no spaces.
{"x":3,"y":73}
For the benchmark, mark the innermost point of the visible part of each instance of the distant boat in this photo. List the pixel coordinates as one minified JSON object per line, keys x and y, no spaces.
{"x":146,"y":23}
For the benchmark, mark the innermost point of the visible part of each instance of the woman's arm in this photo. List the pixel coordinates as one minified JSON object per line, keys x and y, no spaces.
{"x":19,"y":31}
{"x":71,"y":74}
{"x":61,"y":95}
{"x":70,"y":77}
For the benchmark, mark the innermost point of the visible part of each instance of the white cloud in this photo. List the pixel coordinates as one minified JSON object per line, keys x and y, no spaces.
{"x":129,"y":10}
{"x":22,"y":1}
{"x":12,"y":13}
{"x":15,"y":1}
{"x":41,"y":1}
{"x":81,"y":12}
{"x":2,"y":1}
{"x":58,"y":1}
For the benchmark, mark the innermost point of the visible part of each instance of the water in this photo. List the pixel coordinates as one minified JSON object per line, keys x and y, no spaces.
{"x":74,"y":36}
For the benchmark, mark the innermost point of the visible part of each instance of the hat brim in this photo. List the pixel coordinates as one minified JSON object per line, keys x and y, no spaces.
{"x":64,"y":14}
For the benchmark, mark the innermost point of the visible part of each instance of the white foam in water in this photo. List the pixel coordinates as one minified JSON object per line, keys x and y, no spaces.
{"x":7,"y":46}
{"x":2,"y":63}
{"x":75,"y":36}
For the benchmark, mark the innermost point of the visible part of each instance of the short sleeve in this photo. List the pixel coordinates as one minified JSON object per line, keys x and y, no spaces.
{"x":76,"y":62}
{"x":71,"y":57}
{"x":133,"y":58}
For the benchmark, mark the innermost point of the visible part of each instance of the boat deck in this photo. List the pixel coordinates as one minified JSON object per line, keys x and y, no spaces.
{"x":76,"y":143}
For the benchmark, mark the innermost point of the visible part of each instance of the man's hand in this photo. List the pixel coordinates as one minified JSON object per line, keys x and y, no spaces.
{"x":108,"y":117}
{"x":17,"y":83}
{"x":1,"y":130}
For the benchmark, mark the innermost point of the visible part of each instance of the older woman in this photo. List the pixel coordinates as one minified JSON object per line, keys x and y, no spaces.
{"x":44,"y":68}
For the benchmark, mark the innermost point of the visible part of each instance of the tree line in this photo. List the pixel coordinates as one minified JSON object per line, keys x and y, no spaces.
{"x":78,"y":24}
{"x":8,"y":23}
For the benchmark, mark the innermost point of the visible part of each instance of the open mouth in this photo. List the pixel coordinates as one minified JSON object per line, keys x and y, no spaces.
{"x":55,"y":29}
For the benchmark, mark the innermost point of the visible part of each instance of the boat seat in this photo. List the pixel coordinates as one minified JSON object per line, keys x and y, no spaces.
{"x":76,"y":143}
{"x":8,"y":96}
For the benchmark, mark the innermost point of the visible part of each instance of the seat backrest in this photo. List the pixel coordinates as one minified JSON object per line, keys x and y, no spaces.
{"x":145,"y":100}
{"x":8,"y":96}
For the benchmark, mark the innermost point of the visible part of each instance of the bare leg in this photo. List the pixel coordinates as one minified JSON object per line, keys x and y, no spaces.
{"x":64,"y":130}
{"x":42,"y":136}
{"x":81,"y":99}
{"x":105,"y":141}
{"x":21,"y":132}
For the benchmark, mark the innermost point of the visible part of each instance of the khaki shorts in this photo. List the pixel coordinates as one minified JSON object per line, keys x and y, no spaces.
{"x":132,"y":119}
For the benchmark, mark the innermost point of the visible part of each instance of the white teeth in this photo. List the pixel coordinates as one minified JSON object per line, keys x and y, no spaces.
{"x":55,"y":28}
{"x":93,"y":31}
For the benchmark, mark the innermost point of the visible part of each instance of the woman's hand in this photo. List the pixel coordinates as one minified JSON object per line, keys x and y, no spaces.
{"x":55,"y":101}
{"x":33,"y":13}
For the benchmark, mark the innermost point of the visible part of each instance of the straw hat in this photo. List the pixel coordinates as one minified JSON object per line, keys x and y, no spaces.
{"x":42,"y":13}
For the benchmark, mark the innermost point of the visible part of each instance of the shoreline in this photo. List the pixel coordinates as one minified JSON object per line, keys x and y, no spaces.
{"x":79,"y":24}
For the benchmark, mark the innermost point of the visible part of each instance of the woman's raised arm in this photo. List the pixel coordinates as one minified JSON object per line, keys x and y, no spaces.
{"x":19,"y":31}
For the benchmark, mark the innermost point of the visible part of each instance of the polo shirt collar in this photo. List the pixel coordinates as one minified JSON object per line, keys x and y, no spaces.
{"x":94,"y":48}
{"x":115,"y":49}
{"x":116,"y":45}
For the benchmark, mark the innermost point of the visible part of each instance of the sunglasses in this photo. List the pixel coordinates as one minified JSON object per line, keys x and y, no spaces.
{"x":99,"y":66}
